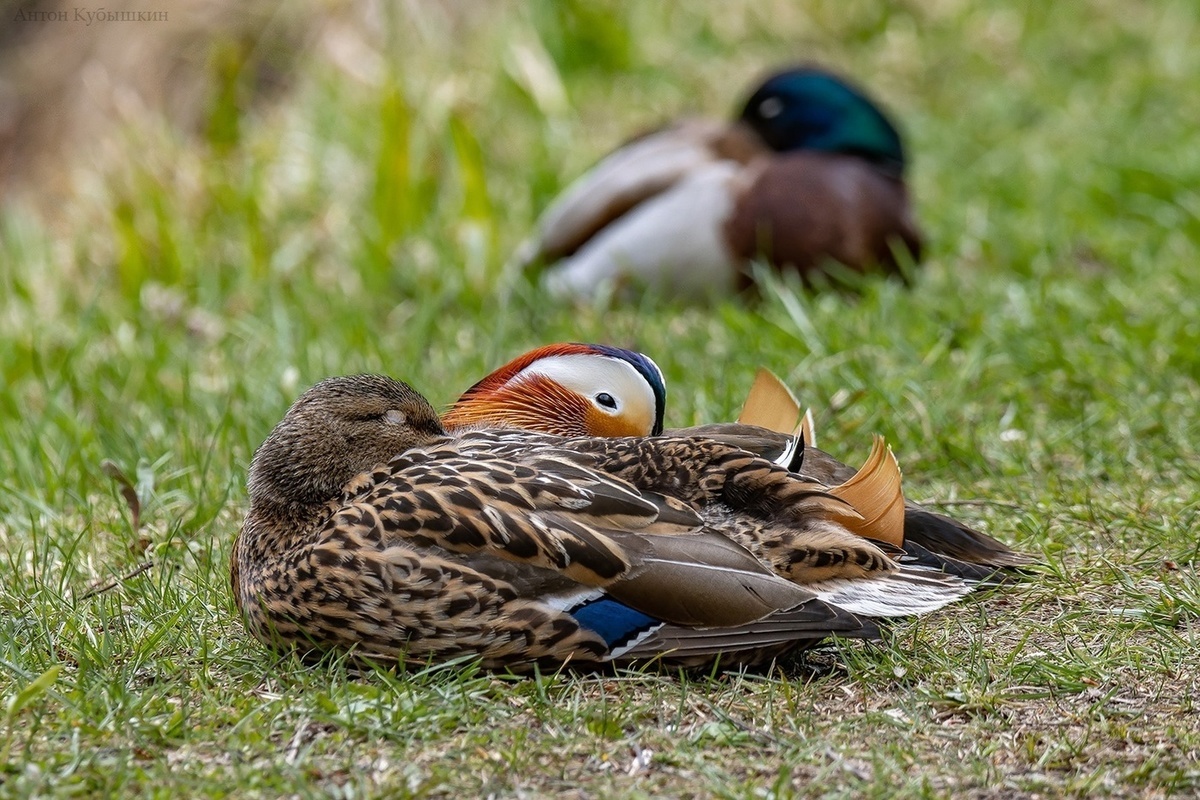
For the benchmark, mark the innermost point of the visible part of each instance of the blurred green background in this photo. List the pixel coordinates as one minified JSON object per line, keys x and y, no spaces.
{"x":203,"y":215}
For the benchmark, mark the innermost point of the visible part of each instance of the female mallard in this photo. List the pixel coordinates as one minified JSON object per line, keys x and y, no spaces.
{"x":370,"y":529}
{"x":544,"y":390}
{"x":811,"y":172}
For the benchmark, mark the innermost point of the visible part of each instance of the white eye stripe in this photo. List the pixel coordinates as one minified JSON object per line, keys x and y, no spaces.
{"x":395,"y":416}
{"x":593,"y":375}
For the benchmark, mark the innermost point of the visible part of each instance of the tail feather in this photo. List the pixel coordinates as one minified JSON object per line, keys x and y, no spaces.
{"x":905,"y":593}
{"x":809,"y":623}
{"x":944,"y":536}
{"x":915,"y":556}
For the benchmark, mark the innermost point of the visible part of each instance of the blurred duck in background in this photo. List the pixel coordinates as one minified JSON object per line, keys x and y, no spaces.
{"x":810,"y":173}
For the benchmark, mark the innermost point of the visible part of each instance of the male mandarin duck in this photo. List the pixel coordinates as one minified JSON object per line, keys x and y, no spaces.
{"x":811,"y":172}
{"x":568,"y":390}
{"x":526,"y":393}
{"x":372,"y":530}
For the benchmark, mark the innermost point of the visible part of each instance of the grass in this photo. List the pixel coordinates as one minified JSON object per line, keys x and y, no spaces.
{"x":1045,"y":364}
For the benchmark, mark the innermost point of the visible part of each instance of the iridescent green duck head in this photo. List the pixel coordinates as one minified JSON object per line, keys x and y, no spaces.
{"x":807,"y":108}
{"x":337,"y":429}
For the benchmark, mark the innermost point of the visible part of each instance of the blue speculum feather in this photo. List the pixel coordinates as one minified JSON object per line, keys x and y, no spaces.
{"x":648,"y":370}
{"x":616,"y":623}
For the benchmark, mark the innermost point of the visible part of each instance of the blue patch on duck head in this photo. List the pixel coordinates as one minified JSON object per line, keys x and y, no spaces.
{"x":808,"y":108}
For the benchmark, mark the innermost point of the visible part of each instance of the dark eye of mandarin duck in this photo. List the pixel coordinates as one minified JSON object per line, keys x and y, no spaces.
{"x":605,"y":399}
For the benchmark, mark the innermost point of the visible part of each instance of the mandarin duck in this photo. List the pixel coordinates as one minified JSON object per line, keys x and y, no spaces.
{"x":568,"y":389}
{"x":373,"y":530}
{"x":811,"y":172}
{"x":544,"y":390}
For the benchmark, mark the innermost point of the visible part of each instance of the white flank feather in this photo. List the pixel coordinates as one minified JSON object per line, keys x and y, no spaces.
{"x":628,"y":176}
{"x":672,"y":242}
{"x":900,"y":594}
